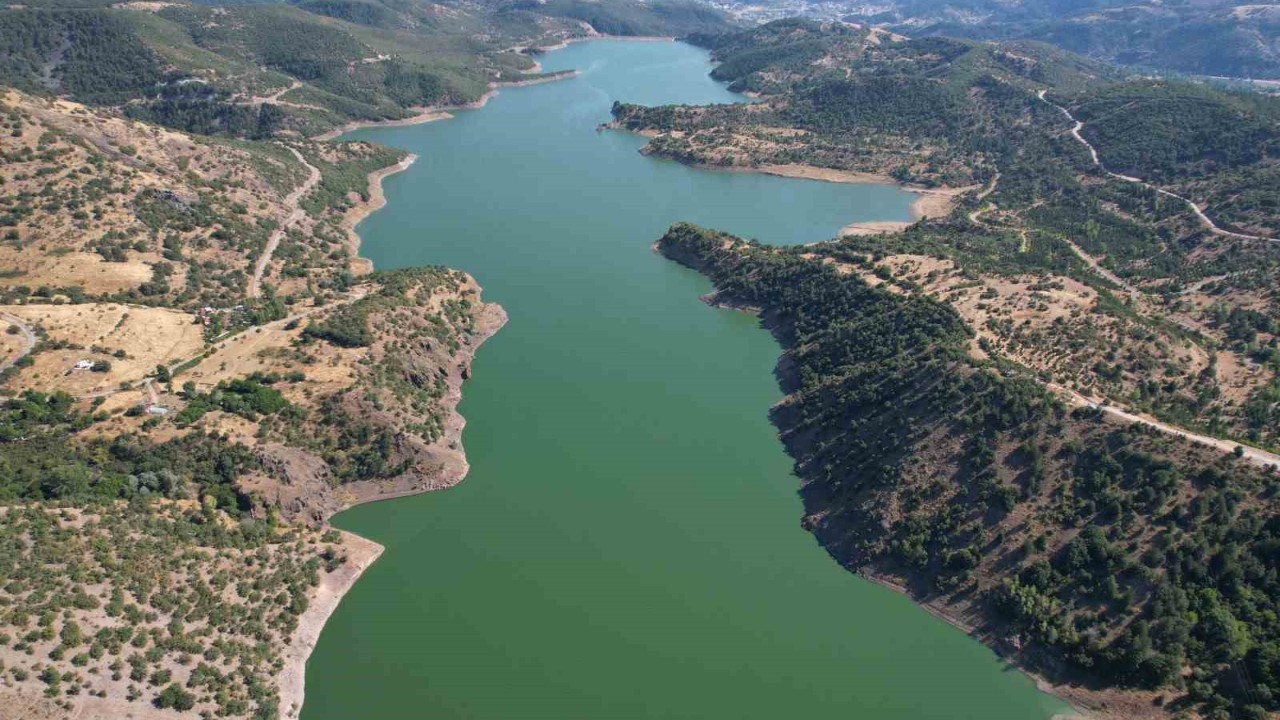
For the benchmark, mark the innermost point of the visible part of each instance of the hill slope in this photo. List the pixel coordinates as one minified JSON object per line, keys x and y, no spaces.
{"x":986,"y":406}
{"x":257,"y":69}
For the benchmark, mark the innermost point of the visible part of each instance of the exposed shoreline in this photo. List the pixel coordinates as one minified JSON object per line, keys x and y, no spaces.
{"x":361,"y":553}
{"x":1085,"y":703}
{"x":929,"y":202}
{"x":624,"y":38}
{"x":425,"y":115}
{"x":1043,"y":685}
{"x":377,"y":199}
{"x":490,"y":318}
{"x":441,"y":112}
{"x":1076,"y":698}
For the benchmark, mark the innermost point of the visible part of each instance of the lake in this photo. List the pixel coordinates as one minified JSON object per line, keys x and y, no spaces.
{"x":628,"y":543}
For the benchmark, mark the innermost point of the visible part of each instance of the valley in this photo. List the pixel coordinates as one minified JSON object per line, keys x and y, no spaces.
{"x":992,"y":324}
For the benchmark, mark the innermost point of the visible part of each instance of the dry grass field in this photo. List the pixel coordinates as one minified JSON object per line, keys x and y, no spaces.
{"x":133,"y":339}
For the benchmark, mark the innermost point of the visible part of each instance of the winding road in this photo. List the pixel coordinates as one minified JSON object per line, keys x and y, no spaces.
{"x":1093,"y":153}
{"x":29,"y":340}
{"x":275,"y":98}
{"x":1259,"y":457}
{"x":295,"y":214}
{"x":976,"y":215}
{"x":1076,"y":399}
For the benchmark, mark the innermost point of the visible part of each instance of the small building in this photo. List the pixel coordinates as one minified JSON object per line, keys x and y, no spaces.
{"x":154,"y":409}
{"x":83,"y":365}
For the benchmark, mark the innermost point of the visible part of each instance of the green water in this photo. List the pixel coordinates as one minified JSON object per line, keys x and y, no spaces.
{"x":628,"y":542}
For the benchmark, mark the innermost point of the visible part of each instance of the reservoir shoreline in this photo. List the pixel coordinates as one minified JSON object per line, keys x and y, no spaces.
{"x":1097,"y":702}
{"x":363,"y":552}
{"x":494,"y":515}
{"x":377,"y":199}
{"x":433,"y":113}
{"x":930,"y":202}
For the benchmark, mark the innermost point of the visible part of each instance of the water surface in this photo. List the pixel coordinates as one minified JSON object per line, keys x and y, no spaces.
{"x":627,"y":544}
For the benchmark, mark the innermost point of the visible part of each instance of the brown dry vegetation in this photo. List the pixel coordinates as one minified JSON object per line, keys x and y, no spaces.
{"x":130,"y":247}
{"x":133,"y":339}
{"x":1051,"y":325}
{"x":105,"y":206}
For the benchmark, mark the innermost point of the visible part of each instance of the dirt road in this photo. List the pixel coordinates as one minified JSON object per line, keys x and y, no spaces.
{"x":1093,"y":153}
{"x":295,"y":214}
{"x":1254,"y":455}
{"x":28,"y":340}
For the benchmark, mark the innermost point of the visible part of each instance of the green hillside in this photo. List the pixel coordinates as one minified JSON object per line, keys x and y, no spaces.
{"x":206,"y":67}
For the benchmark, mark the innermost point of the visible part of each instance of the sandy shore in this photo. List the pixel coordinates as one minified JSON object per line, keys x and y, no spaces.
{"x":875,"y":227}
{"x":377,"y":199}
{"x":625,"y":38}
{"x":929,"y":202}
{"x":424,"y":115}
{"x":444,"y":112}
{"x":292,"y":679}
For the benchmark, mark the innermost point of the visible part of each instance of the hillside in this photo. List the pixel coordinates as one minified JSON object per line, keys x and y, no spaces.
{"x":1220,"y":148}
{"x":95,"y":205}
{"x":1101,"y":554}
{"x":197,"y":359}
{"x":147,"y":612}
{"x":198,"y":369}
{"x":934,"y":112}
{"x":1210,"y":37}
{"x":1167,"y":316}
{"x":136,"y":251}
{"x":259,"y":69}
{"x":985,"y":406}
{"x":1199,"y":38}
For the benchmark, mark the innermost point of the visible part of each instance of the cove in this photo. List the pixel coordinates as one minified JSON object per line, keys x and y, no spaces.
{"x":628,"y":542}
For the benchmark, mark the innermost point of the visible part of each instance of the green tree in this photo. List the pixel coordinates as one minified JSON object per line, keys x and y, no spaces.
{"x":174,"y":697}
